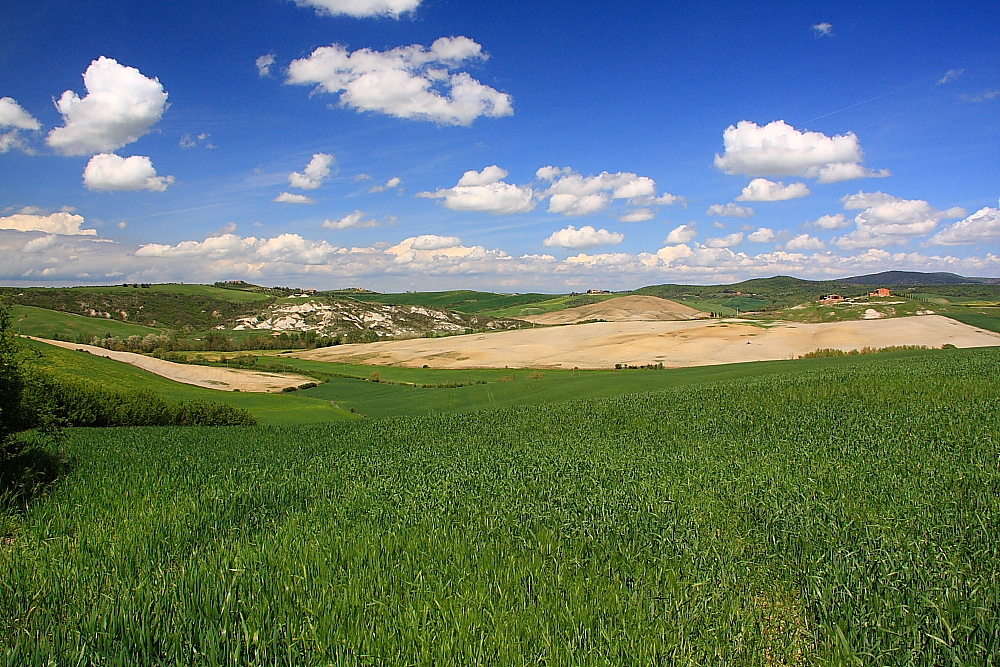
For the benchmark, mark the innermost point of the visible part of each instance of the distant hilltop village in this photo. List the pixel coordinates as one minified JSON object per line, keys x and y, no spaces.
{"x":881,"y":292}
{"x":284,"y":291}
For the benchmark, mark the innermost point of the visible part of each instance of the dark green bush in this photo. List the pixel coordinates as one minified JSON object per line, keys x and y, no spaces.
{"x":49,"y":400}
{"x":11,"y":380}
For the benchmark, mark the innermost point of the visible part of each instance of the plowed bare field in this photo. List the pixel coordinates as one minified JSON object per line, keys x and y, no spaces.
{"x":674,"y":344}
{"x":622,"y":309}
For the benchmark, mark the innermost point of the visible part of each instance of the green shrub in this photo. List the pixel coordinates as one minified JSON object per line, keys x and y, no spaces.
{"x":11,"y":380}
{"x":48,"y":400}
{"x":834,"y":352}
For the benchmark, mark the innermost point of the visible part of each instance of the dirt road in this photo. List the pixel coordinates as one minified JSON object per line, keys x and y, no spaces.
{"x":225,"y":379}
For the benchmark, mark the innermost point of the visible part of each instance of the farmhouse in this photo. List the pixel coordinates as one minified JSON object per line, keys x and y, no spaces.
{"x":881,"y":291}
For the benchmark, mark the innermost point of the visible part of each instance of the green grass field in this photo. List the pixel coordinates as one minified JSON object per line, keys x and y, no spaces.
{"x":828,"y":515}
{"x":419,"y":391}
{"x":294,"y":408}
{"x":52,"y":324}
{"x":989,"y":322}
{"x":496,"y":388}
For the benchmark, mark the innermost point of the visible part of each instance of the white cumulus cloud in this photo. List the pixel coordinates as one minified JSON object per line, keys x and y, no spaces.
{"x":109,"y":172}
{"x":290,"y":198}
{"x":41,"y":243}
{"x":61,"y":222}
{"x":486,"y":191}
{"x":730,"y":210}
{"x":804,"y":242}
{"x":638,"y":215}
{"x":778,"y":149}
{"x":672,"y":253}
{"x":585,"y":237}
{"x":408,"y":82}
{"x":441,"y":262}
{"x":847,"y":171}
{"x":735,"y":238}
{"x":983,"y":226}
{"x":13,"y":141}
{"x":288,"y":248}
{"x":823,"y":29}
{"x":13,"y":115}
{"x":314,"y":174}
{"x":356,"y":219}
{"x":886,"y":220}
{"x":362,"y":8}
{"x":762,"y":235}
{"x":569,"y":193}
{"x":121,"y":105}
{"x":572,"y":193}
{"x":681,"y":234}
{"x":433,"y":254}
{"x":761,"y":189}
{"x":434,"y":242}
{"x":836,"y":221}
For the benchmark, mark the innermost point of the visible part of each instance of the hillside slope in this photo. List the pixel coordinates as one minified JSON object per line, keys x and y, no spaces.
{"x":621,"y":309}
{"x":674,"y":344}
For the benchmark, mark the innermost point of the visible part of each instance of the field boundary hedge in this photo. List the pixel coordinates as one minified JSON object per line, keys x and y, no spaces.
{"x":51,"y":400}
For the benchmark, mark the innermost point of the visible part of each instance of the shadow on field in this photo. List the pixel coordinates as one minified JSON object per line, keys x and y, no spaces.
{"x":29,"y":475}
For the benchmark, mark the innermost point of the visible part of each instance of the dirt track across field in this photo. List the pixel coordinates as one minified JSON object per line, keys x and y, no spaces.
{"x":674,"y":344}
{"x":225,"y":379}
{"x":633,"y":308}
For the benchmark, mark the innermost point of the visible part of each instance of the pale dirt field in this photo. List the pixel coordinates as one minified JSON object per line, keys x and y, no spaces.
{"x":225,"y":379}
{"x":674,"y":344}
{"x":621,"y":309}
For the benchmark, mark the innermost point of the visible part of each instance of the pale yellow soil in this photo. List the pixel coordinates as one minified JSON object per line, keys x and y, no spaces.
{"x":621,"y":309}
{"x":225,"y":379}
{"x":674,"y":344}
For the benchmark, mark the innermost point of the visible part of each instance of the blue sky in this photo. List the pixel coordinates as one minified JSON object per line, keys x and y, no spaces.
{"x":407,"y":144}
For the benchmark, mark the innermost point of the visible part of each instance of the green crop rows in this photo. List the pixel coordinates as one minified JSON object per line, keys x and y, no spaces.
{"x":843,"y":515}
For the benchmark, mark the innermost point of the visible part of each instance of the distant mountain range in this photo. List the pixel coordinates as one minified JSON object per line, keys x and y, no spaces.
{"x":917,"y":278}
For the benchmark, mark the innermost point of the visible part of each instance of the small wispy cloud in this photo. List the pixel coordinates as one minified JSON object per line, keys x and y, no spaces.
{"x":982,"y":97}
{"x":731,"y":210}
{"x":191,"y":141}
{"x":228,"y":228}
{"x":393,"y":183}
{"x":357,"y":219}
{"x":823,"y":29}
{"x":264,"y":64}
{"x":289,"y":198}
{"x":950,"y":75}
